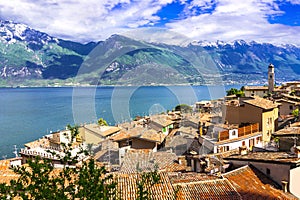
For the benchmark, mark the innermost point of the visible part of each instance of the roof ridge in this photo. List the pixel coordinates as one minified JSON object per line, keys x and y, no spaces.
{"x":235,"y":170}
{"x":203,"y":181}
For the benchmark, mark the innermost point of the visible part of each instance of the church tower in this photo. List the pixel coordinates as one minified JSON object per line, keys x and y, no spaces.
{"x":271,"y":78}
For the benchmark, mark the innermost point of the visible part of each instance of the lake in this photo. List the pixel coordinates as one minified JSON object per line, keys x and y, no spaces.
{"x":27,"y":114}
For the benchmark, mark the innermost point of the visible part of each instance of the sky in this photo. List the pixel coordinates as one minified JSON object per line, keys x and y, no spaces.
{"x":195,"y":20}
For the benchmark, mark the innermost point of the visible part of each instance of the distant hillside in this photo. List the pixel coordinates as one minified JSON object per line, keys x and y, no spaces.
{"x":30,"y":57}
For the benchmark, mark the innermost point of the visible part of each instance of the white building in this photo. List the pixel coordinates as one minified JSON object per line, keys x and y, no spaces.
{"x":222,"y":138}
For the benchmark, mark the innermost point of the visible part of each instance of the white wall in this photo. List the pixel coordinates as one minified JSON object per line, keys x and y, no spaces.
{"x":234,"y":133}
{"x":294,"y":184}
{"x":237,"y":144}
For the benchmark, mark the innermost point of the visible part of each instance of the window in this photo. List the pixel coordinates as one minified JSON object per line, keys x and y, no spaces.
{"x":258,"y":139}
{"x":291,"y":107}
{"x":233,"y":133}
{"x":243,"y":143}
{"x":130,"y":142}
{"x":269,"y":121}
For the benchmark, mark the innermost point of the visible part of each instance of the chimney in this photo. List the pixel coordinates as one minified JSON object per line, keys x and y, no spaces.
{"x":284,"y":185}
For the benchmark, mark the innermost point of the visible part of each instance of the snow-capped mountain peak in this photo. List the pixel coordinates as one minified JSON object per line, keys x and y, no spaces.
{"x":11,"y":32}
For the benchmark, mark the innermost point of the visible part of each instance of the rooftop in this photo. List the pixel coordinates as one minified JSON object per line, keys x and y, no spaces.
{"x":38,"y":143}
{"x":6,"y":173}
{"x":250,"y":183}
{"x":127,"y":185}
{"x":161,"y":120}
{"x":141,"y":133}
{"x":295,"y":98}
{"x":103,"y":131}
{"x":273,"y":157}
{"x":256,"y":88}
{"x":287,"y":101}
{"x":262,"y":103}
{"x":218,"y":189}
{"x":145,"y":160}
{"x":288,"y":131}
{"x":178,"y":177}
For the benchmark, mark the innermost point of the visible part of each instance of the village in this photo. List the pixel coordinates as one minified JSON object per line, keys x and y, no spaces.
{"x":237,"y":147}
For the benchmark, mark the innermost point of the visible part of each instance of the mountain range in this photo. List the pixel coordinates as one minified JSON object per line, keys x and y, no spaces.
{"x":31,"y":58}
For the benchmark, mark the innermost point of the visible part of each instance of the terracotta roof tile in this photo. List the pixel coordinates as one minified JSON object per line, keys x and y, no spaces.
{"x":161,"y":120}
{"x":288,"y":131}
{"x":139,"y":132}
{"x":218,"y":189}
{"x":274,"y":157}
{"x":178,"y":177}
{"x":252,"y":184}
{"x":103,"y":131}
{"x":6,"y":173}
{"x":160,"y":191}
{"x":255,"y":88}
{"x":147,"y":160}
{"x":262,"y":103}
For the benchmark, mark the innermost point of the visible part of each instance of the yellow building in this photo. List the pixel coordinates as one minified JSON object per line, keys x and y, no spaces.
{"x":94,"y":134}
{"x":255,"y":110}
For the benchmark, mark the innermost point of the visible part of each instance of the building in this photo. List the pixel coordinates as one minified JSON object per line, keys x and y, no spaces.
{"x":287,"y":106}
{"x":94,"y":134}
{"x":6,"y":172}
{"x":52,"y":147}
{"x":203,"y":106}
{"x":260,"y":91}
{"x":243,"y":183}
{"x":161,"y":123}
{"x":281,"y":167}
{"x":271,"y":78}
{"x":250,"y":183}
{"x":138,"y":138}
{"x":291,"y":88}
{"x":253,"y":110}
{"x":222,"y":137}
{"x":145,"y":160}
{"x":288,"y":137}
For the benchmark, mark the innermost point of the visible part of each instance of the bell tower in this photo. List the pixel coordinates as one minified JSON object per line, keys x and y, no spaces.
{"x":271,"y":78}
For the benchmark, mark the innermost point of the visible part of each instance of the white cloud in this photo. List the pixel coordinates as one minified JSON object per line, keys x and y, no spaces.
{"x":82,"y":20}
{"x":235,"y":19}
{"x":97,"y":20}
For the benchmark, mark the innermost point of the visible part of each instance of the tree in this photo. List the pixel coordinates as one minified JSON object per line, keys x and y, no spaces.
{"x":183,"y":108}
{"x":234,"y":91}
{"x":145,"y":182}
{"x":40,"y":180}
{"x":102,"y":122}
{"x":295,"y":112}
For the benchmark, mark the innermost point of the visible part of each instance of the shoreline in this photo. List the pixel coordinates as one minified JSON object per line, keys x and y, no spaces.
{"x":96,"y":86}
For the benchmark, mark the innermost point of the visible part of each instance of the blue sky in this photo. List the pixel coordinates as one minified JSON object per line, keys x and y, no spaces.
{"x":226,"y":20}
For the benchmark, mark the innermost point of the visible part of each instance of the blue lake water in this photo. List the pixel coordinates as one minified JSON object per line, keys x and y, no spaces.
{"x":27,"y":114}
